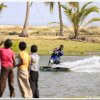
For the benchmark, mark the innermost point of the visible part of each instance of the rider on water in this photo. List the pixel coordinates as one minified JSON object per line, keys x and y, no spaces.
{"x":55,"y":56}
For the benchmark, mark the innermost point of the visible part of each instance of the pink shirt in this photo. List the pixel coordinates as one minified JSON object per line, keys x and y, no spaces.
{"x":6,"y":56}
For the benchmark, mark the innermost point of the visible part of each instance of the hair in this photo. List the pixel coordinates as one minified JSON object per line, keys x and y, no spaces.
{"x":22,"y":45}
{"x":34,"y":48}
{"x":61,"y":45}
{"x":8,"y":43}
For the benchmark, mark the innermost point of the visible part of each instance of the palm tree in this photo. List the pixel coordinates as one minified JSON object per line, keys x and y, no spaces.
{"x":51,"y":5}
{"x":60,"y":19}
{"x":24,"y":32}
{"x":2,"y":6}
{"x":77,"y":15}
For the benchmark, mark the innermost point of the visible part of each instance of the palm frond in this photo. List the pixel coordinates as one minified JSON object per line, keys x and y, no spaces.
{"x":51,"y":6}
{"x":74,"y":4}
{"x":69,"y":15}
{"x":92,"y":9}
{"x":62,"y":24}
{"x":85,"y":5}
{"x":2,"y":5}
{"x":66,"y":9}
{"x":84,"y":13}
{"x":83,"y":8}
{"x":92,"y":20}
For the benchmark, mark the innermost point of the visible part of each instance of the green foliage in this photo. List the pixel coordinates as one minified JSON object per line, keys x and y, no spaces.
{"x":77,"y":14}
{"x":13,"y":33}
{"x":2,"y":6}
{"x":15,"y":46}
{"x":51,"y":6}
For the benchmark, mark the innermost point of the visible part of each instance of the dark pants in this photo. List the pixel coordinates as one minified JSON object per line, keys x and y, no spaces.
{"x":34,"y":83}
{"x":56,"y":61}
{"x":7,"y":73}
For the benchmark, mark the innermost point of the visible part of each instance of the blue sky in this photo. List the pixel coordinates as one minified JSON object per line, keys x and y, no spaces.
{"x":40,"y":14}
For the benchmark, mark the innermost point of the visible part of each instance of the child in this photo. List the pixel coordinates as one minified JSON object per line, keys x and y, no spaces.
{"x":7,"y":62}
{"x":34,"y":71}
{"x":23,"y":73}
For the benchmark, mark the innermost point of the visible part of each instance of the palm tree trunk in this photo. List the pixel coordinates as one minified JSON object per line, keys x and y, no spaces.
{"x":76,"y":28}
{"x":24,"y":32}
{"x":60,"y":19}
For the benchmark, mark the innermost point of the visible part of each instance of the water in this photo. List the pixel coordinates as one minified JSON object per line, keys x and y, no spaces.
{"x":91,"y":64}
{"x":64,"y":84}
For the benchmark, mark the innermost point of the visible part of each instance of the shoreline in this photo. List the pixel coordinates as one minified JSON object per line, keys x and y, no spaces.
{"x":45,"y":38}
{"x":47,"y":43}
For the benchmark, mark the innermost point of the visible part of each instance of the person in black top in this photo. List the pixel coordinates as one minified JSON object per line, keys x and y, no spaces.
{"x":55,"y":56}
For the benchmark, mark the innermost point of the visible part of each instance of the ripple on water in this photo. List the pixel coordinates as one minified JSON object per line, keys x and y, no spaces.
{"x":63,"y":84}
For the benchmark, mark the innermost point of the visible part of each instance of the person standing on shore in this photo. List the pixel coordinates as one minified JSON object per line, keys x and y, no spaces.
{"x":7,"y":58}
{"x":34,"y":71}
{"x":23,"y":72}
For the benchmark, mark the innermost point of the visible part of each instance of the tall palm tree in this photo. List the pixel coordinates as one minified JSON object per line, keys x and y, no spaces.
{"x":24,"y":32}
{"x":60,"y":19}
{"x":51,"y":6}
{"x":77,"y":14}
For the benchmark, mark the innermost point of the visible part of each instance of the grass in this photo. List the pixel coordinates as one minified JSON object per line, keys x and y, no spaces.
{"x":45,"y":39}
{"x":45,"y":46}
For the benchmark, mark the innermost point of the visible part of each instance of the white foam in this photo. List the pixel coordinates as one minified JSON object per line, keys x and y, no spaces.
{"x":91,"y":64}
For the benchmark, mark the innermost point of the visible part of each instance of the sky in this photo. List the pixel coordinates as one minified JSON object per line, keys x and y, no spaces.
{"x":40,"y":14}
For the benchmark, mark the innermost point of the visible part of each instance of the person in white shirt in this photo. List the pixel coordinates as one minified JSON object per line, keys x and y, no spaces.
{"x":34,"y":71}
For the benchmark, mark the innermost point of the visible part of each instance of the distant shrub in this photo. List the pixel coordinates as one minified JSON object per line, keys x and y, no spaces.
{"x":35,"y":33}
{"x":91,"y":31}
{"x":81,"y":53}
{"x":13,"y":33}
{"x":46,"y":33}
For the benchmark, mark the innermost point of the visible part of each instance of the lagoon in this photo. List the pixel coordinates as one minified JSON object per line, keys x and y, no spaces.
{"x":64,"y":84}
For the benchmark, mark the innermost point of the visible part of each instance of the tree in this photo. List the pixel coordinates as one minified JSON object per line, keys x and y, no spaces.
{"x":51,"y":6}
{"x":24,"y":32}
{"x":2,"y":6}
{"x":60,"y":19}
{"x":77,"y":15}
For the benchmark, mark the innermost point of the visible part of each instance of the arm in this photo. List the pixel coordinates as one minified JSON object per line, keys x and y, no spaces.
{"x":1,"y":43}
{"x":55,"y":52}
{"x":61,"y":53}
{"x":31,"y":61}
{"x":13,"y":58}
{"x":29,"y":64}
{"x":14,"y":61}
{"x":19,"y":62}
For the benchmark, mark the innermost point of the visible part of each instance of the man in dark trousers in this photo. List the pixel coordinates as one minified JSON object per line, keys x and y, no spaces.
{"x":7,"y":58}
{"x":34,"y":75}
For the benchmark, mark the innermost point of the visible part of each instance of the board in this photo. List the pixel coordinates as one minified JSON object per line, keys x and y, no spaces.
{"x":56,"y":69}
